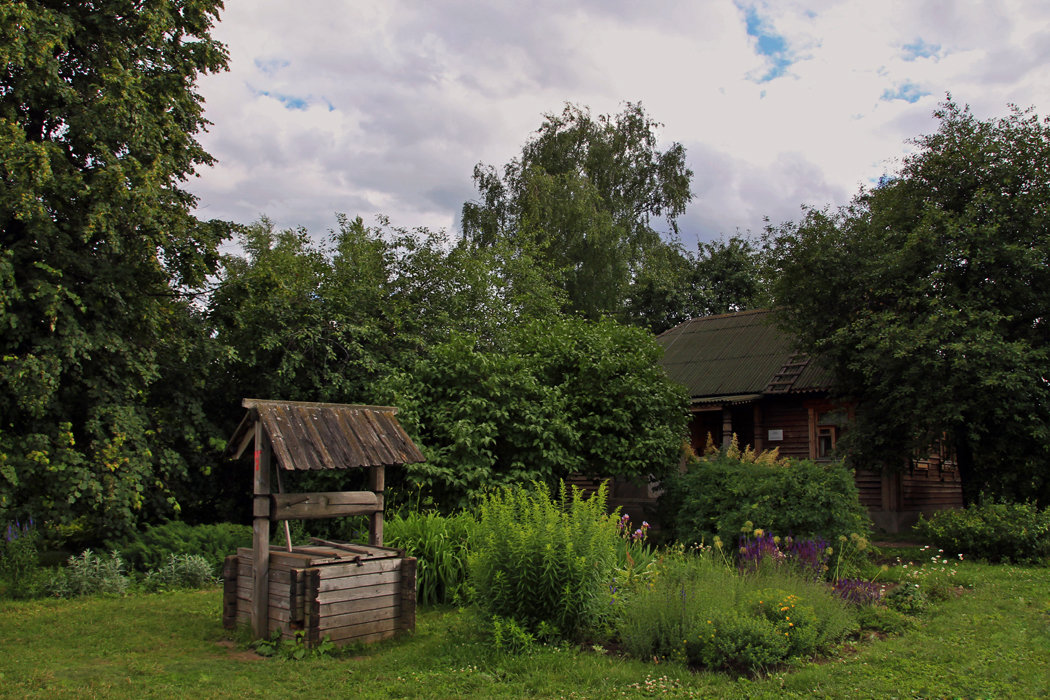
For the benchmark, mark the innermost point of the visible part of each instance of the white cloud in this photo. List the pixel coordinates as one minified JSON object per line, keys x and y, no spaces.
{"x":385,"y":106}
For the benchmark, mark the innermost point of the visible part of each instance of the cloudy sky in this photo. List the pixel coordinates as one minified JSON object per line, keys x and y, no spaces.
{"x":384,"y":107}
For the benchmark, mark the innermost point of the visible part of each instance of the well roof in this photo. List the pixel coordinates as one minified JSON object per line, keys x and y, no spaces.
{"x":327,"y":435}
{"x":733,"y":357}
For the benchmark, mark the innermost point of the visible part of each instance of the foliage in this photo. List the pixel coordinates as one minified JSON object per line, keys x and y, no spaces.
{"x":293,"y":649}
{"x":1017,"y":532}
{"x":19,"y":558}
{"x":509,"y":637}
{"x":181,"y":571}
{"x":858,"y":591}
{"x":581,"y":199}
{"x":439,"y":544}
{"x":884,"y":620}
{"x":345,"y":319}
{"x":98,"y":117}
{"x":722,"y":494}
{"x":89,"y":574}
{"x":700,"y":611}
{"x":544,"y":562}
{"x":553,"y":398}
{"x":907,"y":598}
{"x":926,"y":297}
{"x":153,"y":547}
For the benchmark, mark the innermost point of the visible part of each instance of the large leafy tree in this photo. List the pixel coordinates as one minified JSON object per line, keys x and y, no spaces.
{"x":551,"y":397}
{"x":584,"y":198}
{"x":928,"y":297}
{"x":98,"y":124}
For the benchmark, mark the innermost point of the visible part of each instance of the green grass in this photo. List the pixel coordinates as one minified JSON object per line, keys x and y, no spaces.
{"x":991,"y":642}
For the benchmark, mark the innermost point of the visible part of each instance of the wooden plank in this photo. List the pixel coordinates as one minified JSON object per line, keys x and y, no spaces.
{"x":349,"y":632}
{"x":407,"y":620}
{"x":365,"y":566}
{"x":358,"y":457}
{"x":344,"y":582}
{"x":246,"y":589}
{"x":310,"y":606}
{"x":377,"y":480}
{"x":283,"y":576}
{"x":359,"y":604}
{"x":275,"y":425}
{"x":229,"y":592}
{"x":367,"y":638}
{"x":360,"y":617}
{"x":260,"y":535}
{"x":333,"y":504}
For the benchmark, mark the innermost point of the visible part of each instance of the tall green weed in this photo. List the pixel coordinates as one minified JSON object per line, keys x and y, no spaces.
{"x":545,"y":562}
{"x":440,"y":545}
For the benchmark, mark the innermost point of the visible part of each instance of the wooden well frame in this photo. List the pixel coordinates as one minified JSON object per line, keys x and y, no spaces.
{"x":338,"y":590}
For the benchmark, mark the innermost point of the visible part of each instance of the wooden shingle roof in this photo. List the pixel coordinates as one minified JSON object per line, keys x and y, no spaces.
{"x":327,"y":435}
{"x":737,"y":356}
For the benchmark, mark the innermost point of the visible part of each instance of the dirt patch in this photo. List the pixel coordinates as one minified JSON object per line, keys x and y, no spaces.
{"x":239,"y":654}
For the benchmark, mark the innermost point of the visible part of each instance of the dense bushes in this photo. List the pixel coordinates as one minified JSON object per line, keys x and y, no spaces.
{"x":1016,"y":532}
{"x":545,"y":563}
{"x":727,"y":492}
{"x":152,"y":547}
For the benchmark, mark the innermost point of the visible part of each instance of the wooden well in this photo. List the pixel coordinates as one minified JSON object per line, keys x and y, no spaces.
{"x":346,"y":592}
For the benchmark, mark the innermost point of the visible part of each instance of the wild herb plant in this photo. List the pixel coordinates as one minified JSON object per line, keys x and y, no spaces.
{"x":19,"y":558}
{"x":702,"y":612}
{"x":89,"y":574}
{"x":439,"y":543}
{"x":181,"y":571}
{"x":538,"y":559}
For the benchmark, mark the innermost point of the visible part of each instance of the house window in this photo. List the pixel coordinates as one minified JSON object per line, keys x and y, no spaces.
{"x":826,"y":435}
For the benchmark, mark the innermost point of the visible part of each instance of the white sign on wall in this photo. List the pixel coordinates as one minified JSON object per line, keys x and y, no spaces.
{"x":775,"y":435}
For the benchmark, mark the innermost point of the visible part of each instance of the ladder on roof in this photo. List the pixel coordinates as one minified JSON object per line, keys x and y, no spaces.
{"x":783,"y":380}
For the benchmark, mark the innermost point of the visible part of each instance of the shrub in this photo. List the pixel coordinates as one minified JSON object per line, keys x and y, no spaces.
{"x":19,"y":558}
{"x":439,"y":544}
{"x":89,"y":574}
{"x":181,"y":571}
{"x":700,"y":611}
{"x":1015,"y":532}
{"x":884,"y":620}
{"x":151,"y":548}
{"x":540,"y":561}
{"x":722,"y":492}
{"x":907,"y":598}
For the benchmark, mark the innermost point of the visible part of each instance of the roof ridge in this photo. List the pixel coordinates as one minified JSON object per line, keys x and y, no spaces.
{"x":714,"y":317}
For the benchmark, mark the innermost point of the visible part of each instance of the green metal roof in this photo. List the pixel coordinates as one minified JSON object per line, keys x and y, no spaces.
{"x":729,"y":356}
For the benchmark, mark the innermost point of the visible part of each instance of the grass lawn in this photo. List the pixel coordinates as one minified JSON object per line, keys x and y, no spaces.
{"x":991,"y":642}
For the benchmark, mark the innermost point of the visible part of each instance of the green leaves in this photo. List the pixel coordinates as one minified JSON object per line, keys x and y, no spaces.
{"x":927,"y":297}
{"x":550,"y":398}
{"x":543,"y":561}
{"x":98,"y":118}
{"x":580,"y":200}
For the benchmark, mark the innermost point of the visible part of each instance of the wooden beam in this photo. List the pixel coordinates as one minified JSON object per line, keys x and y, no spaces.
{"x":261,"y":536}
{"x":331,"y":504}
{"x":375,"y":525}
{"x":727,"y":425}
